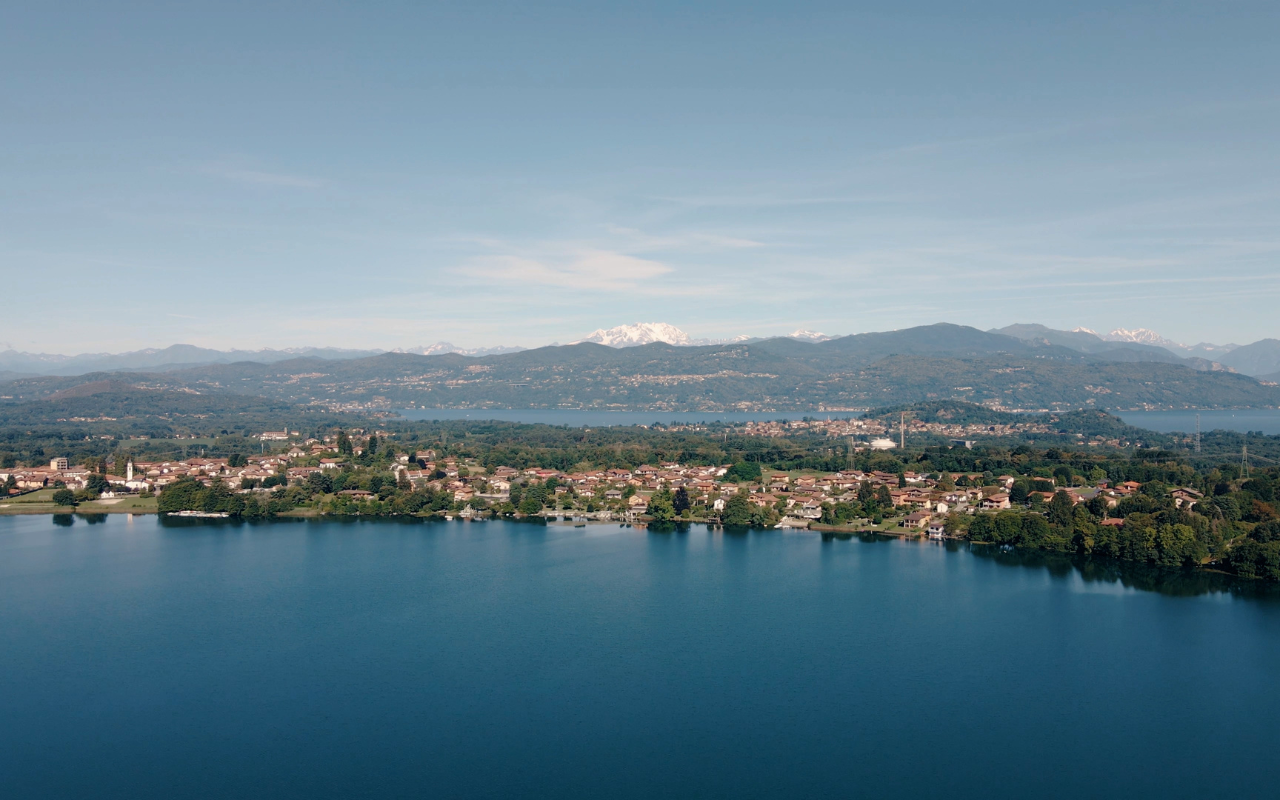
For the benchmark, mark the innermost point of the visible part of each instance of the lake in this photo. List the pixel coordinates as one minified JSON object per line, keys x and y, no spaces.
{"x":146,"y":659}
{"x":1266,"y":420}
{"x":578,"y":418}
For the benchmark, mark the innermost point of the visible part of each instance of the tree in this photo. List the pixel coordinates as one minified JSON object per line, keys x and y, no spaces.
{"x":661,"y":507}
{"x":828,"y":514}
{"x":1019,"y":492}
{"x":319,"y":483}
{"x":737,"y":511}
{"x":372,"y":448}
{"x":1266,"y":532}
{"x":1035,"y":530}
{"x":680,"y":501}
{"x":530,"y":505}
{"x":883,"y":498}
{"x":183,"y":494}
{"x":1008,"y":528}
{"x":97,"y":484}
{"x":1061,"y":510}
{"x":743,"y":471}
{"x":344,"y":444}
{"x":236,"y":460}
{"x":982,"y":528}
{"x":1098,"y":506}
{"x":64,"y":497}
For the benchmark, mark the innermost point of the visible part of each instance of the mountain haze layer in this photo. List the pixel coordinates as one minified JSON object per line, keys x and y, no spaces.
{"x":930,"y":363}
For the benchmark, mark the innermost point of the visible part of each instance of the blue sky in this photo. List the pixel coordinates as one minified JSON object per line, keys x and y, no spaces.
{"x":386,"y":174}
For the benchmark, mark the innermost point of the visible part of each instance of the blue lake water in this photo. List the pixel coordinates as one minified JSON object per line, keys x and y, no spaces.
{"x":578,"y":418}
{"x":1266,"y":420}
{"x":143,"y":659}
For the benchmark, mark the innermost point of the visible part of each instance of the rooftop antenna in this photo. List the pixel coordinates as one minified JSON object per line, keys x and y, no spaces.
{"x":1197,"y":433}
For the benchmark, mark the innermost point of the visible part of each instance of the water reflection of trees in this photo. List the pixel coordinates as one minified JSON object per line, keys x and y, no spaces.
{"x":1145,"y":577}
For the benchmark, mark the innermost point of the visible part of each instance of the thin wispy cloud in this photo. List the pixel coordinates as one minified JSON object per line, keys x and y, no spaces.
{"x":591,"y":269}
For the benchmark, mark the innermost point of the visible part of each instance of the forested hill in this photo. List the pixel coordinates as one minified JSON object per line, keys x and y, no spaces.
{"x":128,"y":409}
{"x":1085,"y":422}
{"x":937,"y":362}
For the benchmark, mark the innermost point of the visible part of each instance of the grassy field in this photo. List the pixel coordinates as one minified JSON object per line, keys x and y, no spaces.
{"x":131,"y":504}
{"x":41,"y":502}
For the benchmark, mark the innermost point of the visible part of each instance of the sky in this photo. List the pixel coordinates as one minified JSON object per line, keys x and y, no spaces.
{"x":380,"y":175}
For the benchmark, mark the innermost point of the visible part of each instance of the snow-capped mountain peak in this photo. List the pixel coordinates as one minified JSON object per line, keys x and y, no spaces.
{"x":1089,"y":331}
{"x":449,"y":347}
{"x":637,"y":334}
{"x":809,"y":336}
{"x":1142,"y":336}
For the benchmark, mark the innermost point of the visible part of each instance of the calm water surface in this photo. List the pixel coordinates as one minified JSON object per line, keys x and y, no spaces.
{"x":577,"y":418}
{"x":321,"y":660}
{"x":1266,"y":420}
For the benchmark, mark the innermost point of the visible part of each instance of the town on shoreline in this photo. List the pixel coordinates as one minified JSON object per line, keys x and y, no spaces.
{"x":1144,"y":506}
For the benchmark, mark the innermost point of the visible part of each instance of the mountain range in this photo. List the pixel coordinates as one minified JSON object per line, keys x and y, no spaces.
{"x":15,"y":364}
{"x":178,"y":356}
{"x":449,"y":347}
{"x":1027,"y":368}
{"x":1260,"y":359}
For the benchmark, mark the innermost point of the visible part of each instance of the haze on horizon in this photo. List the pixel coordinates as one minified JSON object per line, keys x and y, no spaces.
{"x":388,"y":175}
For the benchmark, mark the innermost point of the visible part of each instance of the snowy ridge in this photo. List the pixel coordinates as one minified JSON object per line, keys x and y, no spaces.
{"x":642,"y":333}
{"x":637,"y":334}
{"x":809,"y":336}
{"x":1146,"y":336}
{"x":449,"y":347}
{"x":1142,"y":336}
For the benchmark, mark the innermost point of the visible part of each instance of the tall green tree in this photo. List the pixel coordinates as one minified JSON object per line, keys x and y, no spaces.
{"x":661,"y":507}
{"x":680,"y":500}
{"x":737,"y":511}
{"x":1061,"y":510}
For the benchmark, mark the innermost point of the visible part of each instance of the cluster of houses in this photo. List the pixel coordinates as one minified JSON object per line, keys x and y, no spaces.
{"x":884,"y":435}
{"x":139,"y":476}
{"x":799,"y":498}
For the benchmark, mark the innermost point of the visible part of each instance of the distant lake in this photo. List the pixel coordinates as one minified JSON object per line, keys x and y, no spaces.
{"x":144,"y":659}
{"x":576,"y":418}
{"x":1266,"y":420}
